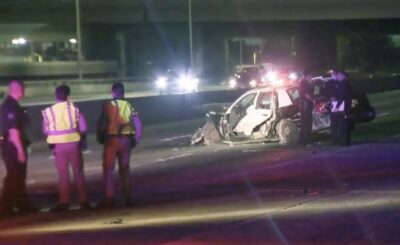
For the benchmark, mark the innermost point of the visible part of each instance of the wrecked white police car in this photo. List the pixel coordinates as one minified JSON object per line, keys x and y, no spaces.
{"x":272,"y":114}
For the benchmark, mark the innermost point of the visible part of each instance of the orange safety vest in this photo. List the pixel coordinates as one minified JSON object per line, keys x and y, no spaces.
{"x":61,"y":123}
{"x":120,"y":114}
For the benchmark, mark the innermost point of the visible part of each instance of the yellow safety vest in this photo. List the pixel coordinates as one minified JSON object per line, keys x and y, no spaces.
{"x":61,"y":123}
{"x":120,"y":114}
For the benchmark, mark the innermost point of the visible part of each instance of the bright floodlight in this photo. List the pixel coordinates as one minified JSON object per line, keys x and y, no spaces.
{"x":73,"y":41}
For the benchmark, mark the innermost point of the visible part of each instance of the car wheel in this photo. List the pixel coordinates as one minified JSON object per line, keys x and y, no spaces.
{"x":288,"y":132}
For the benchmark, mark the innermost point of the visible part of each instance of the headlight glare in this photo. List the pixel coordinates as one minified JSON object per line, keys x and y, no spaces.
{"x":161,"y":82}
{"x":253,"y":83}
{"x":188,"y":83}
{"x":293,"y":76}
{"x":232,"y":83}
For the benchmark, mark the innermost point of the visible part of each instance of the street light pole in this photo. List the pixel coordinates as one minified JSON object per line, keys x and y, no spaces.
{"x":79,"y":39}
{"x":190,"y":33}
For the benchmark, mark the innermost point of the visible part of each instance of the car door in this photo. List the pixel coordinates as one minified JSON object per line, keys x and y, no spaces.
{"x":257,"y":112}
{"x":321,"y":117}
{"x":238,"y":110}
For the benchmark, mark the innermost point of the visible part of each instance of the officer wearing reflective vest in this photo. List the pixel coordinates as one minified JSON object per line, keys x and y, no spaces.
{"x":119,"y":128}
{"x":340,"y":109}
{"x":65,"y":128}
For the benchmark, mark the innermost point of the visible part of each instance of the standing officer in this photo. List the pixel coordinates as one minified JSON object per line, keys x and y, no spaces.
{"x":13,"y":142}
{"x":340,"y":109}
{"x":123,"y":129}
{"x":65,"y":128}
{"x":306,"y":107}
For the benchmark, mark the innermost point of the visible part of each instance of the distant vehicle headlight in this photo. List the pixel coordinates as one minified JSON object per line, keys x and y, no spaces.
{"x":232,"y":83}
{"x":188,"y":83}
{"x":253,"y":83}
{"x":161,"y":83}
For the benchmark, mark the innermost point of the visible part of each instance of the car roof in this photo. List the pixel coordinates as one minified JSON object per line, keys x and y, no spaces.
{"x":271,"y":88}
{"x":264,"y":89}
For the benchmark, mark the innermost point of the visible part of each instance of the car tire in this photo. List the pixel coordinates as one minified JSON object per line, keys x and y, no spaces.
{"x":288,"y":132}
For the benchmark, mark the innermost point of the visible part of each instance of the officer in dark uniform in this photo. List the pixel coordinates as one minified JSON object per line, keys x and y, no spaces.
{"x":340,"y":109}
{"x":306,"y":107}
{"x":13,"y":144}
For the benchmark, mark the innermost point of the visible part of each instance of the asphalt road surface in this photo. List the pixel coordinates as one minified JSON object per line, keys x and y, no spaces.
{"x":255,"y":194}
{"x":222,"y":194}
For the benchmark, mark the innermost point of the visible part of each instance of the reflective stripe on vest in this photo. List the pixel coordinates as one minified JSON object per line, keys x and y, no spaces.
{"x":337,"y":107}
{"x":120,"y":113}
{"x":61,"y":123}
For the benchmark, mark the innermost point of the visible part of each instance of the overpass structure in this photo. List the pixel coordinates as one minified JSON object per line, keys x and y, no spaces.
{"x":139,"y":11}
{"x":142,"y":35}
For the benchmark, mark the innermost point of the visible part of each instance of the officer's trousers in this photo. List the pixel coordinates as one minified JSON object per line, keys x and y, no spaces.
{"x":117,"y":147}
{"x":340,"y":129}
{"x":65,"y":154}
{"x":14,"y":187}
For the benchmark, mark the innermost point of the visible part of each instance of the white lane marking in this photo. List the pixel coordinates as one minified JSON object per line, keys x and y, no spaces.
{"x":173,"y":157}
{"x":382,"y":103}
{"x":384,"y":192}
{"x":176,"y":137}
{"x":249,"y":151}
{"x":383,"y":114}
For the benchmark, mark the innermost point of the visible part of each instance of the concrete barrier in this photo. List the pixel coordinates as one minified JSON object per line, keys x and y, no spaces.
{"x":43,"y":88}
{"x":378,"y":84}
{"x":84,"y":88}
